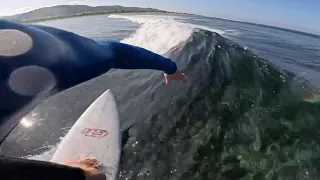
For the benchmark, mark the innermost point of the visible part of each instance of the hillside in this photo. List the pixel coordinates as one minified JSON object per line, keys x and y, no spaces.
{"x":62,"y":11}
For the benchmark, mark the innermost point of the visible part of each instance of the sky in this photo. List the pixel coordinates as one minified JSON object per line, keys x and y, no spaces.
{"x":303,"y":15}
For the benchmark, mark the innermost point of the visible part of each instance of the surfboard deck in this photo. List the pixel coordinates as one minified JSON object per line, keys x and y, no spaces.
{"x":95,"y":134}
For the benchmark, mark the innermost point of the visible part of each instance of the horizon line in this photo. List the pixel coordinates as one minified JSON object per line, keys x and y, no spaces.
{"x":314,"y":34}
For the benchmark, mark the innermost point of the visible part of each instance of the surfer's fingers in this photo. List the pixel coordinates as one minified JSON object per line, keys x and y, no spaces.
{"x":185,"y":80}
{"x":98,"y":166}
{"x":167,"y":81}
{"x":83,"y":158}
{"x":91,"y":162}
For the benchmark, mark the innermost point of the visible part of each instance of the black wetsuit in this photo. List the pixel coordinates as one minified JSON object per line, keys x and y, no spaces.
{"x":22,"y":169}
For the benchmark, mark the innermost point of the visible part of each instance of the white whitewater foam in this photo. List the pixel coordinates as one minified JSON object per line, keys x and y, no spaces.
{"x":51,"y":149}
{"x":160,"y":33}
{"x":232,"y":32}
{"x":45,"y":156}
{"x":157,"y":34}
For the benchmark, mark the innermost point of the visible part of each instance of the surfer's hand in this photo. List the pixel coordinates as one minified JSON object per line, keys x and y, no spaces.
{"x":90,"y":167}
{"x":177,"y":76}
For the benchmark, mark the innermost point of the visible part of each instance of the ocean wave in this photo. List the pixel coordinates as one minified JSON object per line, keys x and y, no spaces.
{"x":237,"y":119}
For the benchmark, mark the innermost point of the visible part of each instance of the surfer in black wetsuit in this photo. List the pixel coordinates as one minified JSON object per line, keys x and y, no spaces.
{"x":37,"y":62}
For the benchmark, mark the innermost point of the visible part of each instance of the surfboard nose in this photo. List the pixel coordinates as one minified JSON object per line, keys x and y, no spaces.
{"x":109,"y":95}
{"x":95,"y":134}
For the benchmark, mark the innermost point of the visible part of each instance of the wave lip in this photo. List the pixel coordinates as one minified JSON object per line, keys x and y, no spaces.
{"x":160,"y":33}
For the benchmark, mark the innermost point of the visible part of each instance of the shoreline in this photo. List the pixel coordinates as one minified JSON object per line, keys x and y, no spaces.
{"x":167,"y":12}
{"x":88,"y":14}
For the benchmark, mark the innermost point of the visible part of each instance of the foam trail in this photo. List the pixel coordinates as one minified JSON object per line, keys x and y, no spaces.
{"x":45,"y":156}
{"x":160,"y":33}
{"x":232,"y":32}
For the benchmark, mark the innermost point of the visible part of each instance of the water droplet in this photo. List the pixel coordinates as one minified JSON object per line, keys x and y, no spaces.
{"x":134,"y":144}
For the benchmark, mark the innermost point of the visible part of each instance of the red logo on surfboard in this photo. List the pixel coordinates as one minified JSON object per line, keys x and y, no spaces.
{"x":97,"y":133}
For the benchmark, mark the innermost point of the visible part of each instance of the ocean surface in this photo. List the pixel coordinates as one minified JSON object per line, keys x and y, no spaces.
{"x":250,"y":110}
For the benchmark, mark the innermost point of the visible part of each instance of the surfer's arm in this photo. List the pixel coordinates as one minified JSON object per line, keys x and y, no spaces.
{"x":22,"y":169}
{"x":133,"y":57}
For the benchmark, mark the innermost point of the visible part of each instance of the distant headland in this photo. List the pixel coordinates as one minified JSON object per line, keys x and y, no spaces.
{"x":68,"y":11}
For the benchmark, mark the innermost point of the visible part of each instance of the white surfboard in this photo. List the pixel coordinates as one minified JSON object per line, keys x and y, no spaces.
{"x":95,"y":134}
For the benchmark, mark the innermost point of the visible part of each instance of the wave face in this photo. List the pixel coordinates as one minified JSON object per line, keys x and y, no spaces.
{"x":240,"y":117}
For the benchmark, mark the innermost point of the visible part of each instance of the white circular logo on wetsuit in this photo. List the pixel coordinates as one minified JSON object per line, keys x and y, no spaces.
{"x":30,"y":80}
{"x":14,"y":42}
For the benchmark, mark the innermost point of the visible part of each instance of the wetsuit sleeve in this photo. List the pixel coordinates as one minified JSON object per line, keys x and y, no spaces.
{"x":22,"y":169}
{"x":132,"y":57}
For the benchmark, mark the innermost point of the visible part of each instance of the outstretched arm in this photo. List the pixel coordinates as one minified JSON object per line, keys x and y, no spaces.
{"x":132,"y":57}
{"x":35,"y":60}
